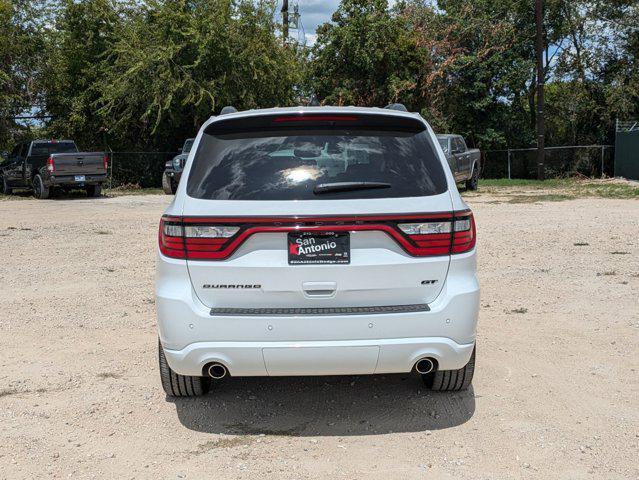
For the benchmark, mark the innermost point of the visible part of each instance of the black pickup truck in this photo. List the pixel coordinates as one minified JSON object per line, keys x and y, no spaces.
{"x":173,"y":168}
{"x":44,"y":165}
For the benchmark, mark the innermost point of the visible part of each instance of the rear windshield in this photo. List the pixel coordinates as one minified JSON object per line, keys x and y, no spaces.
{"x":47,"y":148}
{"x":290,"y":163}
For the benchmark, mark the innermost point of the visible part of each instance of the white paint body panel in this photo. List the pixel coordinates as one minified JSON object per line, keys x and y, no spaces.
{"x":380,"y":273}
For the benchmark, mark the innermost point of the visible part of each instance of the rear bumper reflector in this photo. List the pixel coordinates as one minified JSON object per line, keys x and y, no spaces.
{"x":256,"y":312}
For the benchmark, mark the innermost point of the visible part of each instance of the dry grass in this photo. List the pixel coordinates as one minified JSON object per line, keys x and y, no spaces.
{"x":557,"y":190}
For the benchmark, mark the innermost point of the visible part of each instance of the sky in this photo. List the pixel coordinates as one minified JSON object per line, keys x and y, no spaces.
{"x":313,"y":13}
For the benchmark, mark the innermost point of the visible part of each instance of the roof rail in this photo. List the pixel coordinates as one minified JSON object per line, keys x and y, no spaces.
{"x":396,"y":106}
{"x":228,"y":109}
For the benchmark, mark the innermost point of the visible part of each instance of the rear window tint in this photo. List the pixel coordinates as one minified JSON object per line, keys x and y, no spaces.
{"x":50,"y":147}
{"x":287,"y":163}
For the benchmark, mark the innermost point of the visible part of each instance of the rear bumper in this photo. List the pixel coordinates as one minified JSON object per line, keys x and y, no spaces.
{"x":353,"y":357}
{"x":318,"y":344}
{"x":69,"y":180}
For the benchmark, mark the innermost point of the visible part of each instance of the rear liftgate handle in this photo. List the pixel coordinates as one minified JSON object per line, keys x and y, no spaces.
{"x":319,"y":289}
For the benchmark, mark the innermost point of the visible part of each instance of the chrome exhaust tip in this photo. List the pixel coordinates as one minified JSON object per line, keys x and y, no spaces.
{"x":424,"y":366}
{"x":217,"y":371}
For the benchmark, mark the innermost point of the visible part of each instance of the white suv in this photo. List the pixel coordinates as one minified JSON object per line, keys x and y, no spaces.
{"x":316,"y":241}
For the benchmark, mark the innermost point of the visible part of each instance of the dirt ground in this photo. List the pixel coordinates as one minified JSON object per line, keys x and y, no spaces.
{"x":556,"y":391}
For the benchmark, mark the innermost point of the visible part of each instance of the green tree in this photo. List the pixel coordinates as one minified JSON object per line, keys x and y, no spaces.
{"x":21,"y":36}
{"x":468,"y":65}
{"x":474,"y":74}
{"x":145,"y":75}
{"x":365,"y":56}
{"x":76,"y":51}
{"x":595,"y":79}
{"x":176,"y":62}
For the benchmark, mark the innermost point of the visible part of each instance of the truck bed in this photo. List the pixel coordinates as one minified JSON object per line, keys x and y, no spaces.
{"x":80,"y":163}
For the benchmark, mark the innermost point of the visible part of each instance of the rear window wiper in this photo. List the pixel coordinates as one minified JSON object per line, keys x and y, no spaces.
{"x":347,"y":186}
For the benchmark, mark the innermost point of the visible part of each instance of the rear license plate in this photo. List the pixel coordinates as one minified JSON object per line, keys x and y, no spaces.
{"x":80,"y":178}
{"x":306,"y":248}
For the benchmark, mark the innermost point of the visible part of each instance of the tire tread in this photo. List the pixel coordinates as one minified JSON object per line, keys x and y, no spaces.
{"x":176,"y":385}
{"x":451,"y":380}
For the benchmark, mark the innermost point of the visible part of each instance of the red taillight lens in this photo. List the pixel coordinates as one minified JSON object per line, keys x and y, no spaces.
{"x":456,"y":235}
{"x":180,"y":240}
{"x":50,"y":165}
{"x":218,"y":238}
{"x":171,"y":238}
{"x":106,"y":161}
{"x":464,"y":234}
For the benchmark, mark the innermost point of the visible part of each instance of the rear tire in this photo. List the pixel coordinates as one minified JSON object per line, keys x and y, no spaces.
{"x":473,"y":182}
{"x":168,"y":185}
{"x":176,"y":385}
{"x":94,"y":190}
{"x":40,"y":191}
{"x":6,"y":189}
{"x":451,"y":380}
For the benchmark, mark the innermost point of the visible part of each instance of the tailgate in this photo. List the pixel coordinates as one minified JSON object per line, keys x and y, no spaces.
{"x":342,"y":213}
{"x":79,"y":163}
{"x":259,"y":274}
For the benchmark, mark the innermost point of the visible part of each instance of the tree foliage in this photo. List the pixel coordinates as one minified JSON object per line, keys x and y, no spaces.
{"x":468,"y":65}
{"x":21,"y":38}
{"x":366,"y":56}
{"x":145,"y":74}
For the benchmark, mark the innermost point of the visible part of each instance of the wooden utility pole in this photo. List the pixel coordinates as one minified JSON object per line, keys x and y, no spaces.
{"x":285,"y":21}
{"x":539,"y":18}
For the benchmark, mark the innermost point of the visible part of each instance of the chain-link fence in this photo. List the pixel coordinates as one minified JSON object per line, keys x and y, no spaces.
{"x":587,"y":160}
{"x":137,"y":168}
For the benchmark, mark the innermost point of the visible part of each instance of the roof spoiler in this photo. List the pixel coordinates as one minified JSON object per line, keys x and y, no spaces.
{"x":396,"y":106}
{"x":228,"y":109}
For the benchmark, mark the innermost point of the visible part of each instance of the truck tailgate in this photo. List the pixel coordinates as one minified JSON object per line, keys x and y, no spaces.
{"x":80,"y":163}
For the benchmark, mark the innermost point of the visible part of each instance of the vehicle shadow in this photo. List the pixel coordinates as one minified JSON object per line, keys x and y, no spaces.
{"x":57,"y":195}
{"x":324,"y":406}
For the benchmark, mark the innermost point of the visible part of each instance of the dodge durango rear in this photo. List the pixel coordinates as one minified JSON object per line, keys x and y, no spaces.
{"x":316,"y":241}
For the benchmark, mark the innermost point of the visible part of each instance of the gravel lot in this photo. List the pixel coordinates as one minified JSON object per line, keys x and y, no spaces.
{"x":556,"y":392}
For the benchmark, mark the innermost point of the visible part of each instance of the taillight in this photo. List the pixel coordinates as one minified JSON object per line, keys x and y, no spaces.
{"x":431,"y":238}
{"x":50,"y":165}
{"x":106,"y":161}
{"x":171,"y":238}
{"x":179,"y":240}
{"x":217,"y":238}
{"x":456,"y":235}
{"x":464,"y":234}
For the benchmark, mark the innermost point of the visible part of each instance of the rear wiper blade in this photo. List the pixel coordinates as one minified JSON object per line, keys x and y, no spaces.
{"x":346,"y":186}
